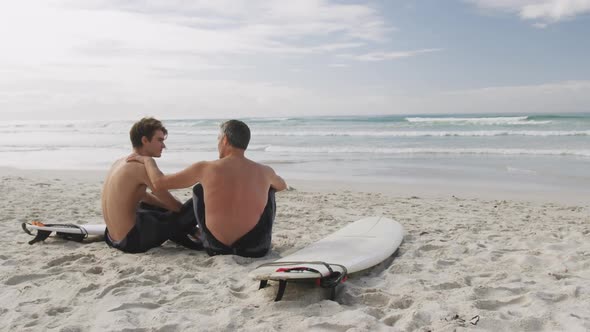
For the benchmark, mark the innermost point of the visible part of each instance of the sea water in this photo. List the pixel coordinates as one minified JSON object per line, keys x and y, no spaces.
{"x":538,"y":151}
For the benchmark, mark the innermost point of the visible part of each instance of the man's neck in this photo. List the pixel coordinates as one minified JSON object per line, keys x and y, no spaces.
{"x":140,"y":152}
{"x":234,"y":153}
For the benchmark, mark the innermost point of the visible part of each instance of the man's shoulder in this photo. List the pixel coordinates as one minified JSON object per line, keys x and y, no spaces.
{"x":261,"y":167}
{"x":126,"y":175}
{"x":264,"y":167}
{"x":131,"y":166}
{"x":121,"y":166}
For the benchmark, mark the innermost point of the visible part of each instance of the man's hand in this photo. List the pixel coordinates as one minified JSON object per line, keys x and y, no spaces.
{"x":134,"y":157}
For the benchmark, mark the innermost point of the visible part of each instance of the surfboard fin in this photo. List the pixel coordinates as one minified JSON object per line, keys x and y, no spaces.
{"x":41,"y":235}
{"x":281,"y":292}
{"x":283,"y":286}
{"x":331,"y":280}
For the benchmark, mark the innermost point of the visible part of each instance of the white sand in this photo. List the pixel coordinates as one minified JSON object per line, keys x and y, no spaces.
{"x":519,"y":266}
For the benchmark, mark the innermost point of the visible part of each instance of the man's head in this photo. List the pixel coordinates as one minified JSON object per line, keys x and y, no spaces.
{"x":147,"y":137}
{"x":234,"y":133}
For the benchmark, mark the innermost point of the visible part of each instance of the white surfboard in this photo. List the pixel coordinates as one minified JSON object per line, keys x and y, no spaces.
{"x":356,"y":247}
{"x":68,"y":231}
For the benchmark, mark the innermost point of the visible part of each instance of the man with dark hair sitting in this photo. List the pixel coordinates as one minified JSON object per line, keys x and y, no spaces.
{"x":234,"y":198}
{"x":137,"y":220}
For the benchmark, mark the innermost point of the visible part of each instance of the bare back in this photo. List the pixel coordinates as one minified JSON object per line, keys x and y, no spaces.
{"x":236,"y":193}
{"x":124,"y":186}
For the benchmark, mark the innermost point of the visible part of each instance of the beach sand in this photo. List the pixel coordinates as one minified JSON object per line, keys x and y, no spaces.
{"x":466,"y":263}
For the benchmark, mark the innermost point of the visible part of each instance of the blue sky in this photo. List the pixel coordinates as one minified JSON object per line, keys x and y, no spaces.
{"x":108,"y":59}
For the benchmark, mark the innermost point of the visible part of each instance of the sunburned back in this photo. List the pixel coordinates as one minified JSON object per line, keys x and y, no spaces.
{"x":236,"y":192}
{"x":122,"y":191}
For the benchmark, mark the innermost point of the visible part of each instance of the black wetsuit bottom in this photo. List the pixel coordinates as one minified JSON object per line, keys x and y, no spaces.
{"x":255,"y":243}
{"x":154,"y":226}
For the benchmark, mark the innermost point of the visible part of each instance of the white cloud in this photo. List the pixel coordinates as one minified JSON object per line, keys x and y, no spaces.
{"x":381,"y":56}
{"x":76,"y":31}
{"x":100,"y":58}
{"x":263,"y":22}
{"x":123,"y":59}
{"x":546,"y":11}
{"x":555,"y":10}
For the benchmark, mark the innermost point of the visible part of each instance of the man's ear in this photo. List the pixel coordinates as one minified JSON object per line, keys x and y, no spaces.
{"x":144,"y":140}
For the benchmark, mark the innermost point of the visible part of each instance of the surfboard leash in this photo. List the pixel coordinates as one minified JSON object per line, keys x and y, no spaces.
{"x":332,"y":280}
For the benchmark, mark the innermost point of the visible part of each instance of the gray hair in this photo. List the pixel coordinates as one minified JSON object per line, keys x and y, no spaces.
{"x":237,"y":133}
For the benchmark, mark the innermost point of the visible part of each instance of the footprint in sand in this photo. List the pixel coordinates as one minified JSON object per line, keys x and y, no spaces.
{"x":120,"y":284}
{"x":374,"y":312}
{"x":64,"y":260}
{"x":445,"y":262}
{"x":429,"y":247}
{"x":15,"y":280}
{"x":495,"y":255}
{"x":237,"y":291}
{"x":189,"y":294}
{"x":531,"y":324}
{"x":391,"y":319}
{"x":331,"y":327}
{"x":447,"y":286}
{"x":74,"y":328}
{"x":480,"y":292}
{"x":140,"y":305}
{"x":497,"y":304}
{"x":405,"y":268}
{"x":131,"y":271}
{"x":94,"y":270}
{"x":419,"y":320}
{"x":494,"y":298}
{"x":402,"y":303}
{"x":54,"y":311}
{"x":375,"y":299}
{"x":478,"y":278}
{"x":551,"y":297}
{"x":153,"y":278}
{"x":33,"y":303}
{"x":88,"y":288}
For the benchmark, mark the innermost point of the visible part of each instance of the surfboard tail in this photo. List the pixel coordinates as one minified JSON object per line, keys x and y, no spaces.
{"x":43,"y":234}
{"x":328,"y":278}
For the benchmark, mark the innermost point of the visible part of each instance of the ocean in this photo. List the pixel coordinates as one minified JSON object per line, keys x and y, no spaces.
{"x":533,"y":151}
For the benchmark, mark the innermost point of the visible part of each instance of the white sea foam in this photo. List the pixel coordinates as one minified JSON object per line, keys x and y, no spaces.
{"x":112,"y":130}
{"x":277,"y":119}
{"x":507,"y":120}
{"x":375,"y":140}
{"x":516,"y":170}
{"x":478,"y":133}
{"x":451,"y":151}
{"x":184,"y":123}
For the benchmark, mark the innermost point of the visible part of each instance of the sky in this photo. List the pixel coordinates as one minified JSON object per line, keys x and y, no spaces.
{"x":179,"y":59}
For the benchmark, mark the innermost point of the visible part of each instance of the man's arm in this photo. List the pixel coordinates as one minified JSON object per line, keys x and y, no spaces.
{"x":160,"y":182}
{"x":162,"y":199}
{"x":171,"y":203}
{"x":276,"y":182}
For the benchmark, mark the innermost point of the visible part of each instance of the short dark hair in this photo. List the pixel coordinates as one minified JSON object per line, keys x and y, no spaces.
{"x":145,"y":127}
{"x":237,"y":133}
